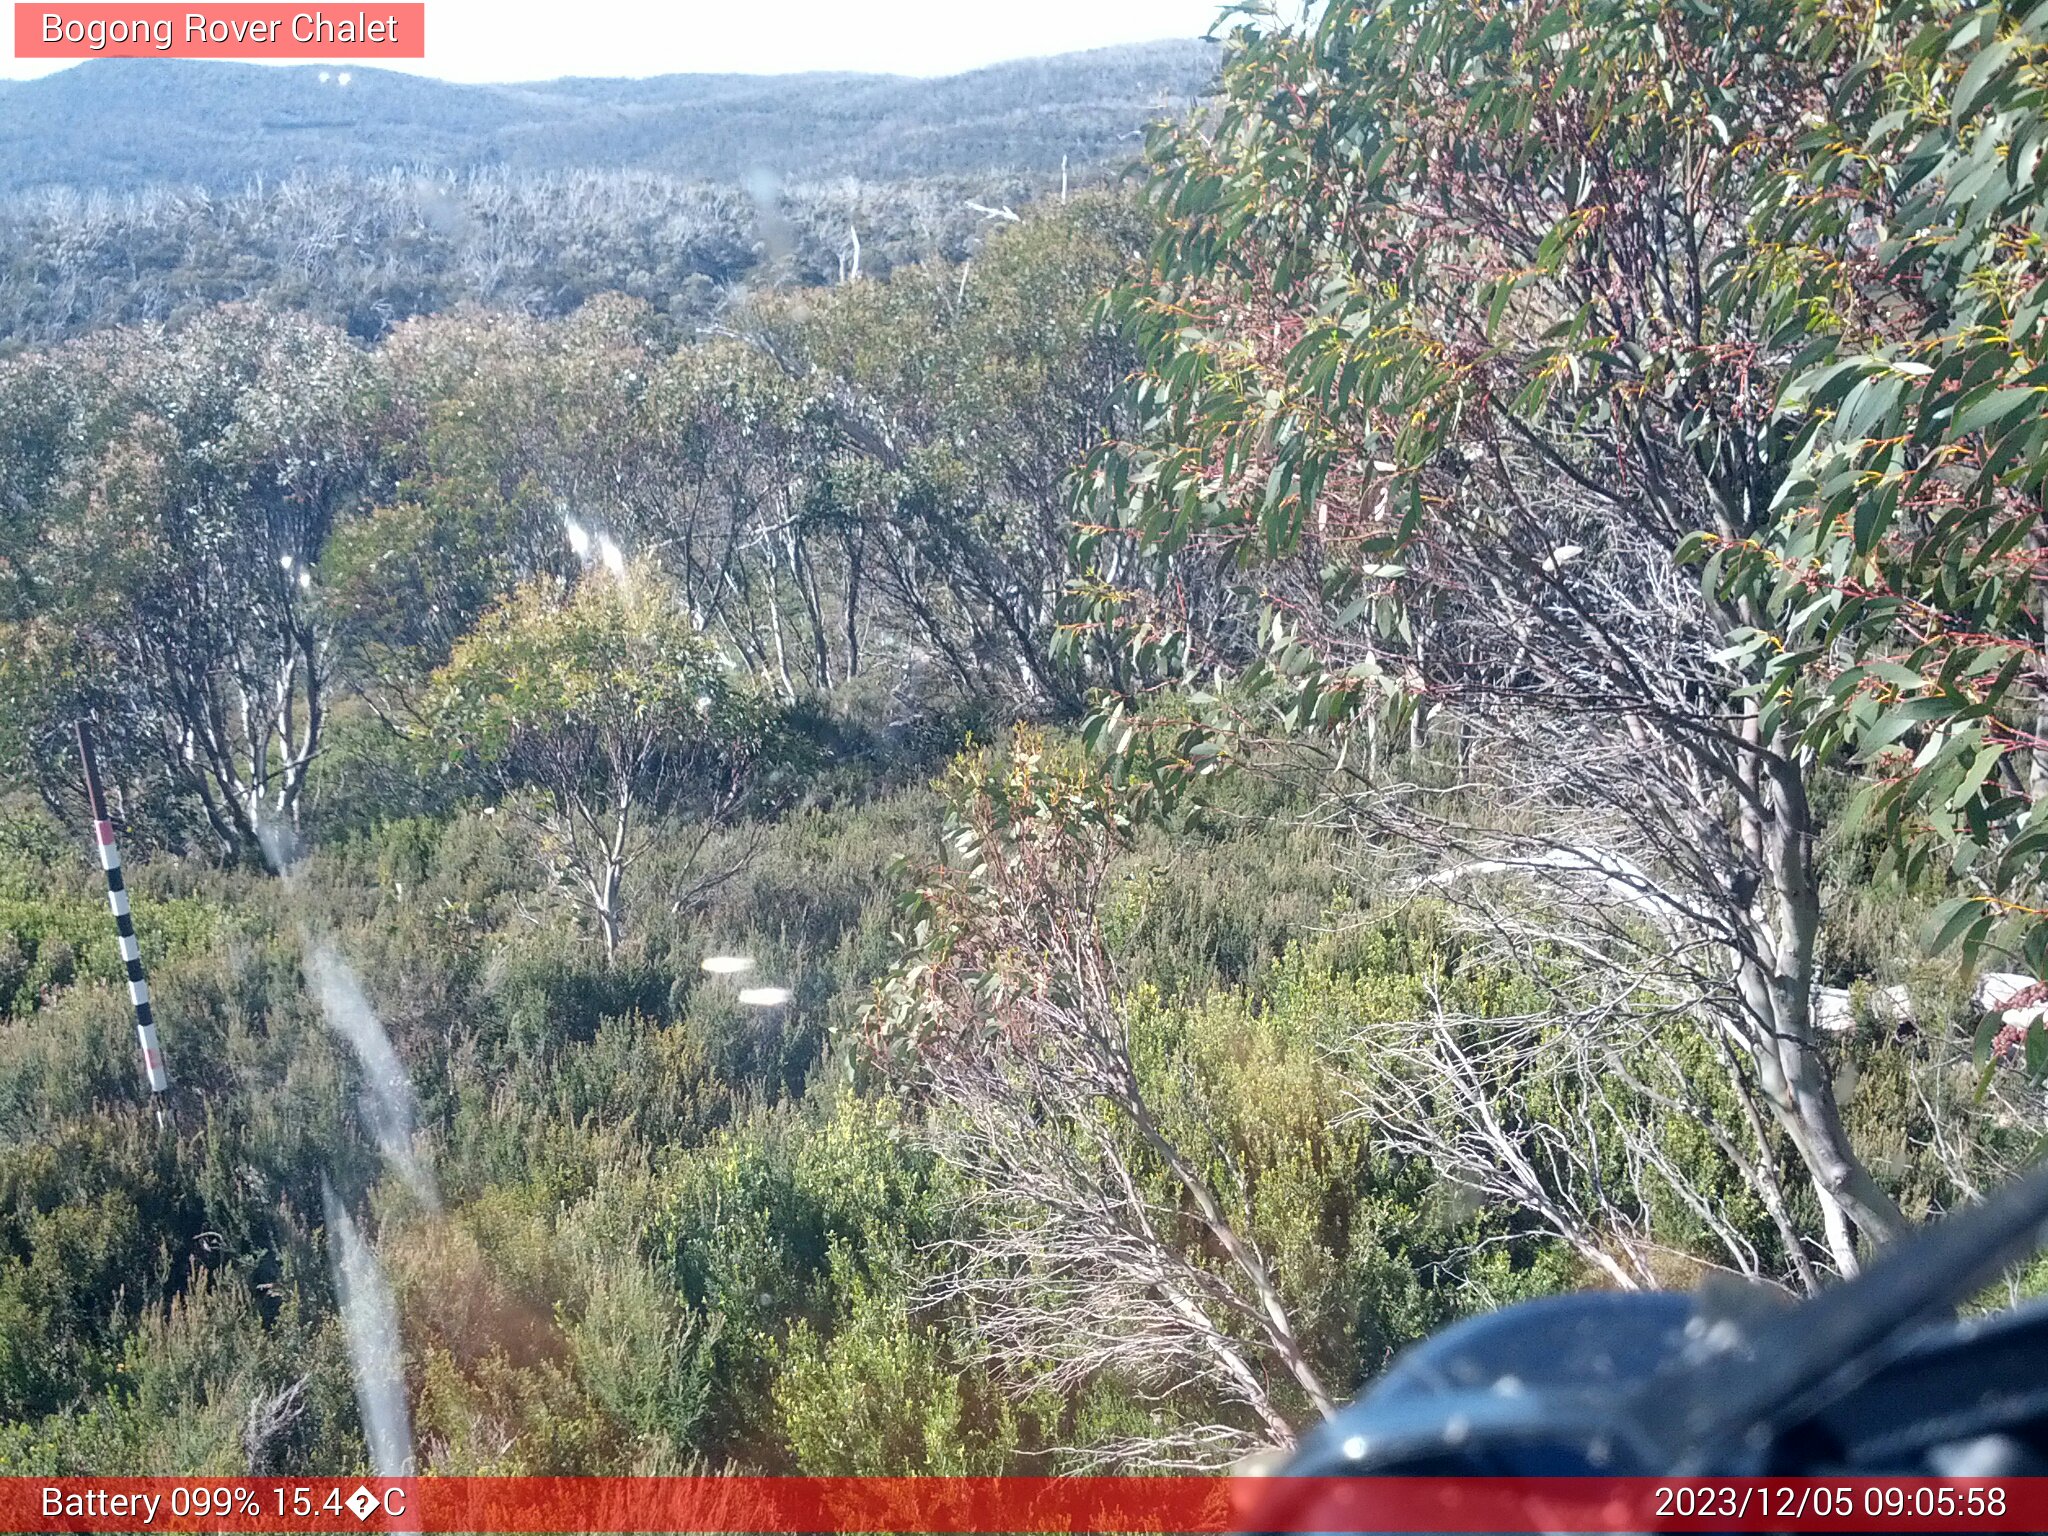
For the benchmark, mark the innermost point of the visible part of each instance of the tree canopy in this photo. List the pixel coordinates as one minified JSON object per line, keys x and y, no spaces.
{"x":606,"y":700}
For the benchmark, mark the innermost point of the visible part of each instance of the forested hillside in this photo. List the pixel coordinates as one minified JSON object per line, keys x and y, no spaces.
{"x":369,"y":252}
{"x":128,"y":124}
{"x":1033,"y":856}
{"x":134,"y":191}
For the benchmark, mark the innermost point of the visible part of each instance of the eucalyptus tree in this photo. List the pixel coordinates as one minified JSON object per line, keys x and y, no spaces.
{"x":1460,"y":334}
{"x":175,"y":559}
{"x":502,"y":427}
{"x":877,"y":474}
{"x":964,"y":397}
{"x":739,"y":449}
{"x":1903,"y":582}
{"x":591,"y":709}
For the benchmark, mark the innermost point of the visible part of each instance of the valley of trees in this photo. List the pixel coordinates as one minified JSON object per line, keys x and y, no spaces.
{"x":142,"y":191}
{"x":131,"y":125}
{"x":1032,"y":856}
{"x":369,"y":252}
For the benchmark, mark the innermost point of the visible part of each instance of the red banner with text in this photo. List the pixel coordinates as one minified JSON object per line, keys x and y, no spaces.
{"x":957,"y":1506}
{"x":233,"y":31}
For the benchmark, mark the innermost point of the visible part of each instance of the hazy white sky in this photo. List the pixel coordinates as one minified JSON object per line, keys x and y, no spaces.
{"x":488,"y":40}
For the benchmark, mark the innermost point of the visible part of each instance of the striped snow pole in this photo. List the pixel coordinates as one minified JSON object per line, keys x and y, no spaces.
{"x":117,"y":898}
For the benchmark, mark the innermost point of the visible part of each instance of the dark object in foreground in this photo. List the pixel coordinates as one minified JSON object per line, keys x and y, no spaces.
{"x":1873,"y":1377}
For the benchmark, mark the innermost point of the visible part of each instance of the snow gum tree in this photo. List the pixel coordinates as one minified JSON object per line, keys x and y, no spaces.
{"x":592,"y":709}
{"x":1467,"y":326}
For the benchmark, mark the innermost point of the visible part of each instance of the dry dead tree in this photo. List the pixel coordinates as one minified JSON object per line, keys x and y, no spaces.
{"x":1564,"y":1113}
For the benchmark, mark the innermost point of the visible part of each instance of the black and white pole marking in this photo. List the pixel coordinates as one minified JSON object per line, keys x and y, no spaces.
{"x":117,"y":898}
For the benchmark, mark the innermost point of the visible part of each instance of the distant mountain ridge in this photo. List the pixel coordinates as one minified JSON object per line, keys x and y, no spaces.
{"x":124,"y":124}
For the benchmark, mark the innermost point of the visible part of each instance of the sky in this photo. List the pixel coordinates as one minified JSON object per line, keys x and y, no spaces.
{"x":503,"y":40}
